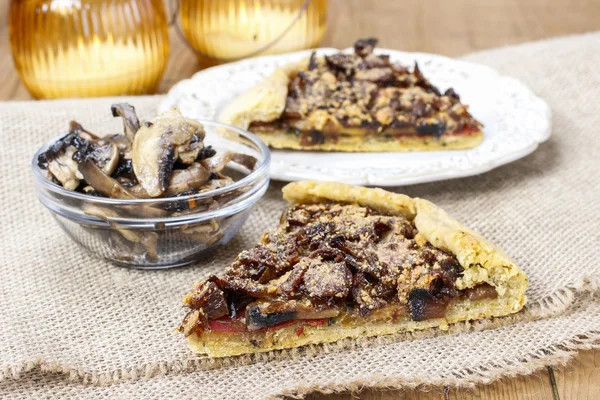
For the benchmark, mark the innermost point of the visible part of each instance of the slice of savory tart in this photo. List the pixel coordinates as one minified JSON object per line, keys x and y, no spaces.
{"x":353,"y":102}
{"x":348,"y":262}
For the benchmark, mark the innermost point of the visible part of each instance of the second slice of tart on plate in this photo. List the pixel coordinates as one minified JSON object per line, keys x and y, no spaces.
{"x":353,"y":102}
{"x":349,"y":262}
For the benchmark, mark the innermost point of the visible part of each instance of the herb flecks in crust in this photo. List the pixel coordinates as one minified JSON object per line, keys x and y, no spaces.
{"x":365,"y":93}
{"x":329,"y":260}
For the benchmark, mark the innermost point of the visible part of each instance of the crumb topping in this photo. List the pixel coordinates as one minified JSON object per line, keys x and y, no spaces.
{"x":329,"y":257}
{"x":366,"y":93}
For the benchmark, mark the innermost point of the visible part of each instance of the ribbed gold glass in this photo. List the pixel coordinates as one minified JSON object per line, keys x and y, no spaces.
{"x":225,"y":30}
{"x":82,"y":48}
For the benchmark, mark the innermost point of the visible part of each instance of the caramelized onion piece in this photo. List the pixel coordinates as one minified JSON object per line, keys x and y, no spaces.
{"x":424,"y":306}
{"x":209,"y":298}
{"x":481,"y":292}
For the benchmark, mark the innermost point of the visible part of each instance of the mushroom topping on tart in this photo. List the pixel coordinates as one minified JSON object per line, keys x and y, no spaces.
{"x":354,"y":102}
{"x":348,"y":262}
{"x":162,"y":158}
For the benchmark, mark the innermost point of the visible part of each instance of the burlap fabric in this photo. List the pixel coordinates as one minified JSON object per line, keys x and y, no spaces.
{"x":75,"y":326}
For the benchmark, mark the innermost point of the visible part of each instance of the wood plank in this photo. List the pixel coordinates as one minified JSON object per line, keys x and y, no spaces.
{"x":580,"y":380}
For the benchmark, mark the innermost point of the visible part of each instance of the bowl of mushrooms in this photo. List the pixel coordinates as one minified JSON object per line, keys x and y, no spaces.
{"x":163,"y":193}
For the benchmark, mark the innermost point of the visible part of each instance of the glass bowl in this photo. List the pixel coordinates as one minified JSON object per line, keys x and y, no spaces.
{"x":162,"y":232}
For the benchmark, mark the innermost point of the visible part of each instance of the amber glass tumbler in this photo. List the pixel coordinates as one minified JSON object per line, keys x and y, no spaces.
{"x":84,"y":48}
{"x":227,"y":30}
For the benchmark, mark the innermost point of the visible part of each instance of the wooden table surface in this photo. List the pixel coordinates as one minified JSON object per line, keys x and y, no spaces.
{"x":450,"y":27}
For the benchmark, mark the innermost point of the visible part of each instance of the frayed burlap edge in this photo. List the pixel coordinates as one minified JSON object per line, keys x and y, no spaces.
{"x":559,"y":354}
{"x":553,"y":305}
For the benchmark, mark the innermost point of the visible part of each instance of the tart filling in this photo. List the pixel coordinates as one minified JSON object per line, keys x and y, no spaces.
{"x":335,"y":100}
{"x":333,"y":266}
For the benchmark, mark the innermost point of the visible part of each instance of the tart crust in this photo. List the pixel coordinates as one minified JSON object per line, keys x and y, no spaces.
{"x":482,"y":263}
{"x":284,"y":140}
{"x":263,"y":102}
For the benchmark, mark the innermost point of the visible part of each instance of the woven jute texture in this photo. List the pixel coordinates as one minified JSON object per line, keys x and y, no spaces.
{"x":75,"y":326}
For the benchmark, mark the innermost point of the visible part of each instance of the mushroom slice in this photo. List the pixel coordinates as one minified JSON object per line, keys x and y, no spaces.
{"x":148,"y":239}
{"x":187,"y":179}
{"x":218,"y":162}
{"x":123,"y":145}
{"x":155,"y":147}
{"x":105,"y":154}
{"x":76,"y":128}
{"x":131,"y":123}
{"x":103,"y":183}
{"x":61,"y":158}
{"x":64,"y":169}
{"x":215,"y":184}
{"x":189,"y":152}
{"x":205,"y":232}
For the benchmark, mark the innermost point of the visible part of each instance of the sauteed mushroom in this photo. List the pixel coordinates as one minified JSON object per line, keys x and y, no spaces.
{"x":162,"y":158}
{"x":75,"y":127}
{"x":105,"y":155}
{"x":131,"y":123}
{"x":184,"y":180}
{"x":148,"y":240}
{"x":103,"y":183}
{"x":64,"y":169}
{"x":190,"y":152}
{"x":123,"y":145}
{"x":218,"y":162}
{"x":155,"y":149}
{"x":63,"y":157}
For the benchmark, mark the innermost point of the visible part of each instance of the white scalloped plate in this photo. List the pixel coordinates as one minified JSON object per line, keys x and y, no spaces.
{"x":516,"y":121}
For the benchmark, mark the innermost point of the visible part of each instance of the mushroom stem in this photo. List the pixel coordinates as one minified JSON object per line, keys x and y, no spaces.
{"x":131,"y":123}
{"x":218,"y":162}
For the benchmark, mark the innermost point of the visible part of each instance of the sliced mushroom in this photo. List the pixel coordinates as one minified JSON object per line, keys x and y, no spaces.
{"x":155,"y":151}
{"x":124,"y":173}
{"x":264,"y":313}
{"x":103,"y":183}
{"x":189,"y":152}
{"x":75,"y":127}
{"x":147,"y":239}
{"x":218,"y":162}
{"x":204,"y":232}
{"x":131,"y":123}
{"x":139,"y":192}
{"x":60,"y":160}
{"x":64,"y":169}
{"x":105,"y":155}
{"x":187,"y":179}
{"x":123,"y":145}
